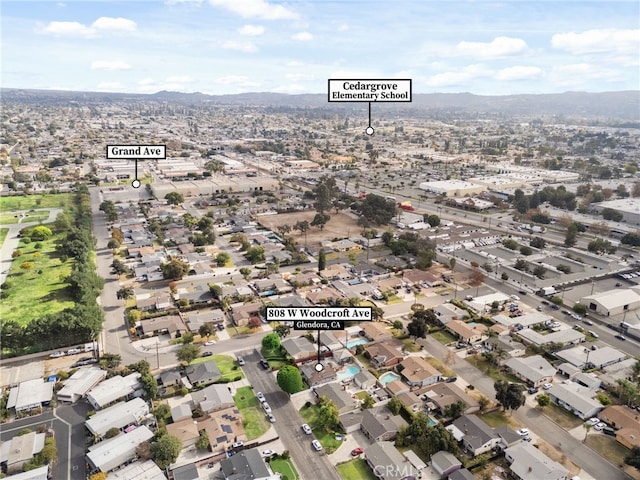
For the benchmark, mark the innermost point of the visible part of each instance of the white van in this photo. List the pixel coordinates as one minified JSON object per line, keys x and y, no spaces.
{"x":593,"y":334}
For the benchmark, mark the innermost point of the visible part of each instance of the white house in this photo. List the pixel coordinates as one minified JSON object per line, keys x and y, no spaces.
{"x":114,"y":389}
{"x":529,"y":463}
{"x":78,"y":384}
{"x":117,"y":416}
{"x":576,"y":398}
{"x":110,"y":454}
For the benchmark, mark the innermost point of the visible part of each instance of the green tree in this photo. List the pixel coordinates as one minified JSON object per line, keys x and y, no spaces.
{"x":483,"y":403}
{"x":166,"y":450}
{"x":320,"y":220}
{"x":452,"y":263}
{"x":134,"y":316}
{"x":510,"y":243}
{"x":271,"y":341}
{"x":124,"y":293}
{"x":368,"y":402}
{"x":40,"y":233}
{"x":188,"y":353}
{"x":142,"y":367}
{"x":113,"y":244}
{"x":175,"y":269}
{"x":394,"y":405}
{"x":282,"y":330}
{"x":322,"y":260}
{"x":427,"y":439}
{"x":149,"y":385}
{"x":544,"y":400}
{"x":454,"y":410}
{"x":112,"y":432}
{"x":417,"y":328}
{"x":433,"y":220}
{"x":525,"y":250}
{"x":328,"y":415}
{"x":289,"y":379}
{"x":245,"y":272}
{"x":255,"y":254}
{"x":174,"y":198}
{"x":580,"y":309}
{"x":571,"y":237}
{"x":203,"y":441}
{"x":110,"y":360}
{"x":119,"y":267}
{"x":222,"y":258}
{"x":205,"y":330}
{"x":510,"y":395}
{"x":397,"y":324}
{"x":633,"y":458}
{"x":538,"y":242}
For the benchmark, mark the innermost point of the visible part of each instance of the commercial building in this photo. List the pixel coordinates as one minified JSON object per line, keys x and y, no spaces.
{"x":628,"y":207}
{"x":452,"y":188}
{"x":110,"y":454}
{"x":612,"y":302}
{"x":114,"y":389}
{"x":77,"y":386}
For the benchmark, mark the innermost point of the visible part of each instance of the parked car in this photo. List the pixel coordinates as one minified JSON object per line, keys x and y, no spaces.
{"x":74,"y":351}
{"x":599,"y":426}
{"x":547,"y":386}
{"x":57,"y":354}
{"x":532,"y":390}
{"x":240,"y":361}
{"x":609,"y":431}
{"x":357,"y":451}
{"x":268,"y":453}
{"x":555,"y":307}
{"x":621,"y":337}
{"x":261,"y":397}
{"x":207,"y":354}
{"x":587,"y":321}
{"x":524,"y":432}
{"x":593,"y":421}
{"x":220,"y":326}
{"x":306,"y":429}
{"x":271,"y":418}
{"x":266,"y":407}
{"x":237,"y":445}
{"x":264,"y":364}
{"x":316,"y":445}
{"x":209,"y":343}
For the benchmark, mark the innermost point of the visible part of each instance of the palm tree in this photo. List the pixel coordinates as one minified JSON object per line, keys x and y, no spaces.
{"x":587,"y":426}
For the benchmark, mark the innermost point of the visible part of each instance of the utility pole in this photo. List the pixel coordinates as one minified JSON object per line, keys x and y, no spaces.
{"x":157,"y":354}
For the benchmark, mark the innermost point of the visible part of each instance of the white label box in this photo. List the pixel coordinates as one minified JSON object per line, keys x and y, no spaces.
{"x":360,"y":90}
{"x":319,"y":314}
{"x":136,"y":152}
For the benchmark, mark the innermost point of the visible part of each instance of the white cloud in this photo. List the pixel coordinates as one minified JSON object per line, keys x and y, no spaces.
{"x":146,"y":81}
{"x":180,"y":79}
{"x":246,"y":47}
{"x":256,"y":9}
{"x":115,"y":24}
{"x":518,"y":72}
{"x":579,"y":73}
{"x":498,"y":47}
{"x":295,"y":63}
{"x":343,"y":27}
{"x":109,"y":87}
{"x":251,"y":30}
{"x":73,"y":29}
{"x":598,"y":41}
{"x":181,"y":2}
{"x":303,"y":36}
{"x":77,"y":29}
{"x":463,"y":76}
{"x":109,"y":65}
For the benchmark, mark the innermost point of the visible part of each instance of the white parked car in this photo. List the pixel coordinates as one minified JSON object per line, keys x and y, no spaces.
{"x":523,"y":432}
{"x":266,"y":407}
{"x":306,"y":429}
{"x":209,"y":343}
{"x":261,"y":398}
{"x":593,"y":421}
{"x":57,"y":354}
{"x":74,"y":351}
{"x":268,"y":453}
{"x":547,"y":386}
{"x":316,"y":445}
{"x":599,"y":426}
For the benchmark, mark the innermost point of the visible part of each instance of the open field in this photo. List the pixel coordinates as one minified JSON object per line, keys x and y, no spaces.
{"x":253,"y":417}
{"x":341,"y":225}
{"x":28,"y":202}
{"x":9,"y":218}
{"x":37,"y":291}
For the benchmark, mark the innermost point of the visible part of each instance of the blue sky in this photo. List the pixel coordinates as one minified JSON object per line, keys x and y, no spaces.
{"x":233,"y":46}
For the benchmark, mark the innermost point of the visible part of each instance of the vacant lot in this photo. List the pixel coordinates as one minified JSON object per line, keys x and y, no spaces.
{"x":341,"y":225}
{"x":253,"y":417}
{"x":28,"y":202}
{"x":39,"y":290}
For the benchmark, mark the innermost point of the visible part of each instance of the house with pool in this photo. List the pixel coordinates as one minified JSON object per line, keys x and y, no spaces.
{"x":334,"y":392}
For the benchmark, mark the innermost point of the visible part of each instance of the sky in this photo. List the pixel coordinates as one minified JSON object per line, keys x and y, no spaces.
{"x":234,"y":46}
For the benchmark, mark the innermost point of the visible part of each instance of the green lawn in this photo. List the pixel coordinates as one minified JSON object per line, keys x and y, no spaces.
{"x":253,"y":417}
{"x":327,"y":439}
{"x":355,"y":470}
{"x":608,"y":447}
{"x":284,"y":468}
{"x":495,"y":419}
{"x":3,"y":235}
{"x":226,"y":364}
{"x":276,"y":358}
{"x":561,"y":416}
{"x":10,"y":218}
{"x":481,"y":363}
{"x":28,"y":202}
{"x":443,"y":337}
{"x":441,"y":367}
{"x":40,"y":290}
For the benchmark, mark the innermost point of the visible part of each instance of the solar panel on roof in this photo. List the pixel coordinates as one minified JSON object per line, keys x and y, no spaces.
{"x":226,"y":428}
{"x":221,"y":439}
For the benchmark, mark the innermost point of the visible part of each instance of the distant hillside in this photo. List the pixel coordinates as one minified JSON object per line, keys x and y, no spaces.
{"x":620,"y":106}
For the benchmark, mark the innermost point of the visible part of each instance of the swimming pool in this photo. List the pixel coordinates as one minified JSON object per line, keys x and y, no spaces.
{"x":359,"y":341}
{"x":388,"y":377}
{"x":348,"y":372}
{"x":471,"y":324}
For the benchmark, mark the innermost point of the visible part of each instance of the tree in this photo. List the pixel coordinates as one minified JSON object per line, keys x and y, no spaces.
{"x":421,"y":435}
{"x":203,"y":441}
{"x":476,"y":279}
{"x":510,"y":395}
{"x":538,"y":242}
{"x":454,"y":410}
{"x":368,"y":402}
{"x":397,"y":324}
{"x":433,"y":220}
{"x":175,"y":269}
{"x":166,"y":450}
{"x":40,"y":233}
{"x":521,"y":265}
{"x":539,"y":271}
{"x":510,"y":243}
{"x":394,"y":405}
{"x":110,"y":360}
{"x":222,"y":258}
{"x":302,"y":226}
{"x":149,"y":385}
{"x":99,"y":476}
{"x":322,"y":260}
{"x":328,"y":416}
{"x":571,"y":237}
{"x":282,"y":330}
{"x":255,"y":254}
{"x":289,"y":379}
{"x":271,"y":341}
{"x":600,"y":246}
{"x":188,"y":353}
{"x":483,"y":403}
{"x":119,"y":267}
{"x":124,"y":293}
{"x":113,"y":244}
{"x":376,"y":210}
{"x":525,"y":250}
{"x":452,"y":263}
{"x":633,"y":458}
{"x":142,"y":367}
{"x":26,"y":265}
{"x":320,"y":220}
{"x":417,"y":328}
{"x":245,"y":272}
{"x":587,"y":426}
{"x":174,"y":198}
{"x":504,"y":276}
{"x":205,"y":330}
{"x":580,"y":309}
{"x":112,"y":432}
{"x":628,"y":392}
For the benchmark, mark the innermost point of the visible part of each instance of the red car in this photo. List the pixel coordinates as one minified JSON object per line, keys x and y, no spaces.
{"x":357,"y":451}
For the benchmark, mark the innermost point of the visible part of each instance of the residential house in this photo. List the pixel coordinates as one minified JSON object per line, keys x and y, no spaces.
{"x":417,"y":372}
{"x":577,"y":399}
{"x":413,"y":276}
{"x":203,"y":373}
{"x":140,"y":470}
{"x":529,"y":463}
{"x":413,"y":402}
{"x":379,"y":424}
{"x":445,"y":463}
{"x":29,"y":395}
{"x":212,"y":398}
{"x":626,"y":421}
{"x":20,"y":449}
{"x":169,"y":378}
{"x":313,"y":378}
{"x":351,"y":421}
{"x":181,"y":412}
{"x":397,"y":387}
{"x":385,"y":354}
{"x":447,"y":312}
{"x":300,"y":348}
{"x":334,"y":392}
{"x":187,"y":430}
{"x":600,"y":358}
{"x":345,"y":245}
{"x":336,"y":272}
{"x":224,"y":428}
{"x":440,"y":395}
{"x":273,"y":284}
{"x":567,"y":336}
{"x":506,"y":344}
{"x":387,"y":462}
{"x":110,"y":454}
{"x":534,"y":370}
{"x":461,"y":474}
{"x":329,"y":340}
{"x":171,"y":324}
{"x":323,"y":296}
{"x":186,"y":472}
{"x":246,"y":464}
{"x":342,"y":356}
{"x":245,"y":314}
{"x":364,"y":379}
{"x":589,"y":380}
{"x":466,"y":332}
{"x":376,"y":331}
{"x":477,"y":437}
{"x":114,"y":389}
{"x":118,"y":416}
{"x":78,"y":384}
{"x":391,"y":283}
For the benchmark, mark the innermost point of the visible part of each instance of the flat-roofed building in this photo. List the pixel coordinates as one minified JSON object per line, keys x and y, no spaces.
{"x":452,"y":188}
{"x":114,"y":389}
{"x":78,"y":384}
{"x":41,"y":473}
{"x":147,"y":470}
{"x":20,"y":449}
{"x":30,"y":394}
{"x":612,"y":302}
{"x":110,"y":454}
{"x":117,"y":416}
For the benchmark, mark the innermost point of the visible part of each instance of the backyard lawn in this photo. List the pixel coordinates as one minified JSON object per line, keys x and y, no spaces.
{"x":28,"y":202}
{"x":327,"y":439}
{"x":285,"y":468}
{"x":253,"y":417}
{"x":355,"y":470}
{"x":39,"y":290}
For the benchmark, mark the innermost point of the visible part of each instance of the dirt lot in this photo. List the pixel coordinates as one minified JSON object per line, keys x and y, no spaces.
{"x":341,"y":225}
